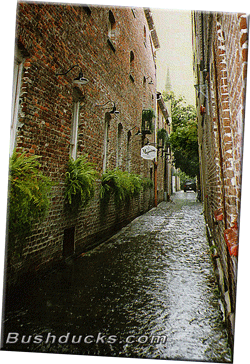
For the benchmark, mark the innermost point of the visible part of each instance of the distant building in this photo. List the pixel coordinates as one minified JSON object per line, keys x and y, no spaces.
{"x":55,"y":117}
{"x":220,"y":64}
{"x":164,"y":160}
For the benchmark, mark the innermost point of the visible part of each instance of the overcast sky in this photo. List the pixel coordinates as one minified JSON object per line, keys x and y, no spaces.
{"x":174,"y":32}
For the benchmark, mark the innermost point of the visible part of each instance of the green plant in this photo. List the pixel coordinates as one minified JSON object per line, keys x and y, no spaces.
{"x":147,"y":183}
{"x":147,"y":117}
{"x":183,"y":178}
{"x":184,"y":135}
{"x":28,"y":198}
{"x":79,"y":183}
{"x":162,"y":135}
{"x":122,"y":185}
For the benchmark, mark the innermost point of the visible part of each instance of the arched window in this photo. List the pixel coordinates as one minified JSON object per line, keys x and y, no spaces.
{"x":74,"y":130}
{"x":111,"y":25}
{"x":132,"y":59}
{"x":106,"y":141}
{"x":145,"y":36}
{"x":77,"y":98}
{"x":119,"y":145}
{"x":17,"y":80}
{"x":144,"y":92}
{"x":132,"y":65}
{"x":128,"y":161}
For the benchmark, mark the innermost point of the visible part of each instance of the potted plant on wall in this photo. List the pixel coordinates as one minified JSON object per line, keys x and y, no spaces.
{"x":79,"y":183}
{"x":122,"y":185}
{"x":28,"y":199}
{"x":147,"y":126}
{"x":162,"y":137}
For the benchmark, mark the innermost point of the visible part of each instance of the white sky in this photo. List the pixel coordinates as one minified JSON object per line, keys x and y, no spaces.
{"x":175,"y":36}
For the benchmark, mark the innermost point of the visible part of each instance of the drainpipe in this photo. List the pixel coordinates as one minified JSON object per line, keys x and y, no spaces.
{"x":155,"y":183}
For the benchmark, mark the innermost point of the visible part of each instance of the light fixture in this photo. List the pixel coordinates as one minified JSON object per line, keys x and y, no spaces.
{"x":138,"y":131}
{"x":150,"y":82}
{"x":113,"y":111}
{"x":158,"y":96}
{"x":198,"y":88}
{"x":79,"y":80}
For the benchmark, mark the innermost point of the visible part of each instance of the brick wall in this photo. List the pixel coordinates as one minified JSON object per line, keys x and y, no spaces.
{"x":51,"y":39}
{"x":220,"y":46}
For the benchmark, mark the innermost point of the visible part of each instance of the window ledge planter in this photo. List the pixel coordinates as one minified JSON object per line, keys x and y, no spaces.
{"x":79,"y":183}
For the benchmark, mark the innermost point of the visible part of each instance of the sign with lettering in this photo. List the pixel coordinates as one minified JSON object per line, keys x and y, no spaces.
{"x":148,"y":152}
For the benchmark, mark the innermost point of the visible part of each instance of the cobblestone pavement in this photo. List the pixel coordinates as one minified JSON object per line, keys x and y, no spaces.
{"x":148,"y":292}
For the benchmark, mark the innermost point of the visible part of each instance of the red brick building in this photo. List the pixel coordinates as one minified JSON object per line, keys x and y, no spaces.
{"x":55,"y":118}
{"x":220,"y":64}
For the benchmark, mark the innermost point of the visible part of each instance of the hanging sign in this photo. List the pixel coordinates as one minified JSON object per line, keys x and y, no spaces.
{"x":148,"y":152}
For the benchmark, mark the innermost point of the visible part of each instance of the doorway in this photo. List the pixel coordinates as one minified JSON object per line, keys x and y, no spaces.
{"x":69,"y":242}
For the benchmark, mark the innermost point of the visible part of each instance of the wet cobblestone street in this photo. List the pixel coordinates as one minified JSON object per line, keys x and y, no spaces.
{"x":153,"y":279}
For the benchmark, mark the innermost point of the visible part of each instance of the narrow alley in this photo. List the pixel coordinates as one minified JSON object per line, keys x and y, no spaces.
{"x":149,"y":292}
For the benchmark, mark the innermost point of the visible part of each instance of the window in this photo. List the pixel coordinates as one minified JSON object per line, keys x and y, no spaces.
{"x":119,"y":146}
{"x":133,"y":12}
{"x":111,"y":26}
{"x":106,"y":141}
{"x":144,"y":91}
{"x":69,"y":242}
{"x":145,"y":36}
{"x":74,"y":130}
{"x":111,"y":30}
{"x":17,"y":80}
{"x":128,"y":166}
{"x":131,"y":66}
{"x":87,"y":9}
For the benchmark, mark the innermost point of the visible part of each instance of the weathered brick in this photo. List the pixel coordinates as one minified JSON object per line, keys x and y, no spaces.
{"x":52,"y":38}
{"x":225,"y":37}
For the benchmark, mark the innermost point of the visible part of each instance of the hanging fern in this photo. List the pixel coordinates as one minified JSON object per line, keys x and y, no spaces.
{"x":122,"y":185}
{"x":162,"y":134}
{"x":28,"y":198}
{"x":79,"y":183}
{"x":147,"y":119}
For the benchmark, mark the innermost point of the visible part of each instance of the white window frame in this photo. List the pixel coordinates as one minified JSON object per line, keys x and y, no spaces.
{"x":74,"y":130}
{"x":106,"y":141}
{"x":17,"y":81}
{"x":128,"y":166}
{"x":119,"y":154}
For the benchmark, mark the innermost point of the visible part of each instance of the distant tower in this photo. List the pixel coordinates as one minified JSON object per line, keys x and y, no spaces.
{"x":168,"y":86}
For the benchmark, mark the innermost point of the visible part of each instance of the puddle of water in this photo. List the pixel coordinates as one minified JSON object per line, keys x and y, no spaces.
{"x":152,"y":283}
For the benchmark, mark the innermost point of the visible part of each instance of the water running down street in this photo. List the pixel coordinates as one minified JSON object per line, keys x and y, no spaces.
{"x":149,"y":292}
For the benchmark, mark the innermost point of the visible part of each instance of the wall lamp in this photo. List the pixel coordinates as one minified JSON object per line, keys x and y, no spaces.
{"x":113,"y":111}
{"x":79,"y":80}
{"x":198,"y":88}
{"x":138,"y":131}
{"x":150,"y":82}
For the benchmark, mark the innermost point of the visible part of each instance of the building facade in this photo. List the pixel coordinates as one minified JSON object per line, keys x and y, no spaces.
{"x":164,"y":159}
{"x":83,"y":78}
{"x":220,"y":64}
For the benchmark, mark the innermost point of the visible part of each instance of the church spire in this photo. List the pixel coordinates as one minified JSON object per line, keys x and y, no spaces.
{"x":168,"y":86}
